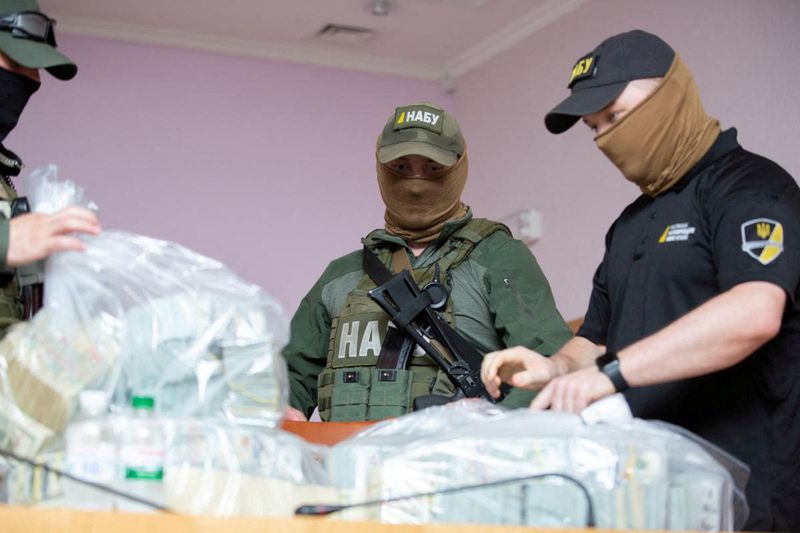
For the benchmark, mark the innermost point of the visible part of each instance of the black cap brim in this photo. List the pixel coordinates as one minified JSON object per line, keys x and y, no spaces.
{"x":34,"y":54}
{"x":583,"y":102}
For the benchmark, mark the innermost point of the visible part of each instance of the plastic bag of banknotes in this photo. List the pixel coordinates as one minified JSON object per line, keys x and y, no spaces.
{"x":214,"y":468}
{"x":633,"y":475}
{"x":135,"y":316}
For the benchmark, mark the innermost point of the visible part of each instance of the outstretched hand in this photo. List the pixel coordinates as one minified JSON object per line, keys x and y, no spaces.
{"x":575,"y":391}
{"x":519,"y":367}
{"x":34,"y":236}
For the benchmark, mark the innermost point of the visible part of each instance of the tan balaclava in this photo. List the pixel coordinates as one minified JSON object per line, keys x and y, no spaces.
{"x":661,"y":139}
{"x":417,"y":208}
{"x":655,"y":144}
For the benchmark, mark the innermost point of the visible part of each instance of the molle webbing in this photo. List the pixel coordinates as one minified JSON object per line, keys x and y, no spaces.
{"x":10,"y":304}
{"x":351,"y":387}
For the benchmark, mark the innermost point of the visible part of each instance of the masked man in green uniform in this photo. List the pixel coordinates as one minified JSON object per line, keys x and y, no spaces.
{"x":498,"y":295}
{"x":27,"y":43}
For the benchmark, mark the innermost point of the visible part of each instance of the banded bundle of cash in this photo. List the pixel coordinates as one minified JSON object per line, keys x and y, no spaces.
{"x":638,"y":475}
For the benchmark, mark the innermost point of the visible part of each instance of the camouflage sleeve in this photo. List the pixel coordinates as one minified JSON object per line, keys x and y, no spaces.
{"x":307,"y":349}
{"x":523,"y":307}
{"x":4,"y":227}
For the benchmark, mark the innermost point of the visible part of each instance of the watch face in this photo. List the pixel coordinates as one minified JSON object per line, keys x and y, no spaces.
{"x":606,"y":358}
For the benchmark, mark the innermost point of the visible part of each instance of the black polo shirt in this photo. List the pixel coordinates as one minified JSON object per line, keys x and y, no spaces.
{"x":734,"y":218}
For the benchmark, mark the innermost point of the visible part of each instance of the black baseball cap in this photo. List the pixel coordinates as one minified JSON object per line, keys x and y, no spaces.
{"x":600,"y":76}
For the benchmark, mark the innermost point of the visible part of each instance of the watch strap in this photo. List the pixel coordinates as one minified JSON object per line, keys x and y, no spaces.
{"x":608,"y":363}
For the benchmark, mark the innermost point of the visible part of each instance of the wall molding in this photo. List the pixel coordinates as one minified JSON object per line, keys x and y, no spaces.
{"x":512,"y":34}
{"x":447,"y":74}
{"x":304,"y":54}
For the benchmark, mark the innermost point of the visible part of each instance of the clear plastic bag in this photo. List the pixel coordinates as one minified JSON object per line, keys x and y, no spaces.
{"x":139,"y":316}
{"x":191,"y":335}
{"x":219,"y":469}
{"x":639,"y":475}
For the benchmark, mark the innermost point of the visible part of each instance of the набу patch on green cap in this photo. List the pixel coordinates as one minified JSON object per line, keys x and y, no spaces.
{"x":421,"y":129}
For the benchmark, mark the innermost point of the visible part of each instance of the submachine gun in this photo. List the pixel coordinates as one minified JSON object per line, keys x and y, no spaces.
{"x":414,"y":312}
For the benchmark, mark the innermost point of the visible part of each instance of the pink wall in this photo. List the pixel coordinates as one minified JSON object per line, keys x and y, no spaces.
{"x":266,"y":166}
{"x":743,"y":54}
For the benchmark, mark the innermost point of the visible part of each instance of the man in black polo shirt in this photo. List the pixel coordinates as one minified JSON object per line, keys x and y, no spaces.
{"x":694,"y":312}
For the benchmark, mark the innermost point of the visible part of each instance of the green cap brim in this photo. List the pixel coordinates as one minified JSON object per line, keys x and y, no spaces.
{"x":394,"y":151}
{"x":33,"y":54}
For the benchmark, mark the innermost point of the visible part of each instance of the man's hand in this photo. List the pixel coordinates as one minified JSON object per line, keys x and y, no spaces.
{"x":34,"y":236}
{"x":518,"y":366}
{"x":573,"y":392}
{"x":294,"y":414}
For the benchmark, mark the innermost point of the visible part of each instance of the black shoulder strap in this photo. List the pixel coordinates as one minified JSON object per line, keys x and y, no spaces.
{"x":397,"y":346}
{"x":374,"y":268}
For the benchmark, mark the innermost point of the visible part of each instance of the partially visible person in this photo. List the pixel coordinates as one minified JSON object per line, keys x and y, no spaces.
{"x":344,"y":356}
{"x":694,"y":313}
{"x":27,"y":44}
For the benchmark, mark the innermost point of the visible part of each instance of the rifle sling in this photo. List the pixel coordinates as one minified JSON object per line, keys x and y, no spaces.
{"x":397,"y":346}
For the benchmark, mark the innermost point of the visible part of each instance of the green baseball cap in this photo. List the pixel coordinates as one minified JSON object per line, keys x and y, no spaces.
{"x":26,"y":36}
{"x":421,"y":129}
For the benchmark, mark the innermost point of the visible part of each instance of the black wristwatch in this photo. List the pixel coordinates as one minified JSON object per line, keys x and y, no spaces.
{"x":608,"y":363}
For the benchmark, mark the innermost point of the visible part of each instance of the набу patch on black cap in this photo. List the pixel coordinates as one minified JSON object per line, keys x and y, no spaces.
{"x":599,"y":77}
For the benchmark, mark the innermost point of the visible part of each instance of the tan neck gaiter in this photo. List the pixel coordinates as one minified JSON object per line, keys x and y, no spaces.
{"x":658,"y":142}
{"x":417,"y":208}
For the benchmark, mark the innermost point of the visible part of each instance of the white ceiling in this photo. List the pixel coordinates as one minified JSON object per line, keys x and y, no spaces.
{"x":427,"y":39}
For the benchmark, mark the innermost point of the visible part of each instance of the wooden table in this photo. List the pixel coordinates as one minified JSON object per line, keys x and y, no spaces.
{"x":327,"y":433}
{"x":35,"y":520}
